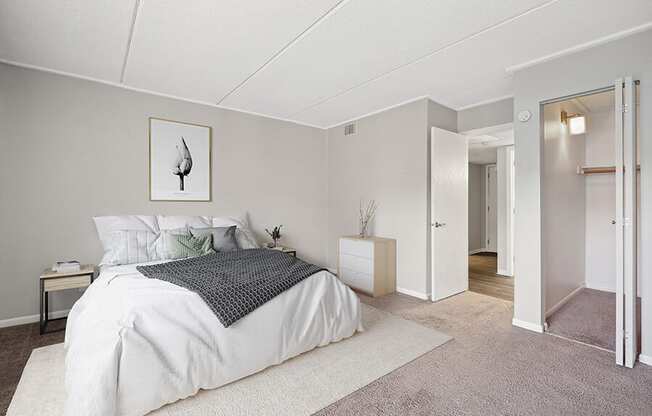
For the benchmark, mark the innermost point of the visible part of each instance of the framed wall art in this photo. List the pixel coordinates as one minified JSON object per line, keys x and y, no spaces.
{"x":179,"y":161}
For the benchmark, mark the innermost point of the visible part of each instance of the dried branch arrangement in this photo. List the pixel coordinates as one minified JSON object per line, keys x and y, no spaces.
{"x":366,"y":215}
{"x":275,"y":234}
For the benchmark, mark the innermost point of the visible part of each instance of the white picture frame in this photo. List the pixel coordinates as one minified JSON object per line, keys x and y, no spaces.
{"x":179,"y":161}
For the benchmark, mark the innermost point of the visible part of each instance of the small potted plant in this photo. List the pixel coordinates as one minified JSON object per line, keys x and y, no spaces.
{"x":275,"y":234}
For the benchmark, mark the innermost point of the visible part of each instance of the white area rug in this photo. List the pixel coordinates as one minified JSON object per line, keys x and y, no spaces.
{"x":300,"y":386}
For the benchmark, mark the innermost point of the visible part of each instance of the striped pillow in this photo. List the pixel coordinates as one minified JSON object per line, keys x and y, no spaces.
{"x":131,"y":246}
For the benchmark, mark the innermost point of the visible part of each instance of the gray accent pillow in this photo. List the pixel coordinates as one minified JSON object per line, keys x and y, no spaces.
{"x":223,"y":237}
{"x":185,"y":245}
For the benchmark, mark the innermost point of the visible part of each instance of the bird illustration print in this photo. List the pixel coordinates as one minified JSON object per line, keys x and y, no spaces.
{"x":183,"y":163}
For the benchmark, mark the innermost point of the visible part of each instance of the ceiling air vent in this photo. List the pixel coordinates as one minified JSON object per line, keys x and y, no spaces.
{"x":349,"y":129}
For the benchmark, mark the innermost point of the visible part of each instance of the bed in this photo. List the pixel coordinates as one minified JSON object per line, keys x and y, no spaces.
{"x":134,"y":344}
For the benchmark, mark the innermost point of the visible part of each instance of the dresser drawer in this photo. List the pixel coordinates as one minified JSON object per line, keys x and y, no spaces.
{"x":357,"y":264}
{"x":357,"y":248}
{"x":357,"y":280}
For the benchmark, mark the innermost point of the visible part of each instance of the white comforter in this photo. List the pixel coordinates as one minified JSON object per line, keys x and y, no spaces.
{"x":135,"y":344}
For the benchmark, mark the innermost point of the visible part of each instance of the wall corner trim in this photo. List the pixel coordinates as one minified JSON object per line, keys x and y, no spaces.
{"x":562,"y":302}
{"x":645,"y":359}
{"x":527,"y":325}
{"x":28,"y":319}
{"x":412,"y":293}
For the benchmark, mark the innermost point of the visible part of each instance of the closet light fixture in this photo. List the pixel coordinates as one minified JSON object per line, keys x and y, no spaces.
{"x":576,"y":122}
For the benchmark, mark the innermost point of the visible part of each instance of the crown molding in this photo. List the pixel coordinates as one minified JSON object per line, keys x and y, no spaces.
{"x":150,"y":92}
{"x":581,"y":47}
{"x":372,"y":113}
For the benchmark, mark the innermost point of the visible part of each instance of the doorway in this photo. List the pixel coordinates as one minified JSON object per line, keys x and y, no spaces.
{"x":490,"y":211}
{"x":590,"y":218}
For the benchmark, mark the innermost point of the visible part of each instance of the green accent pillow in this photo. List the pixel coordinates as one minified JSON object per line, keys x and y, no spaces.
{"x":185,"y":245}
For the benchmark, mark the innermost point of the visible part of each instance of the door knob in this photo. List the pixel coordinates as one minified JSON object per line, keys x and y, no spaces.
{"x":439,"y":224}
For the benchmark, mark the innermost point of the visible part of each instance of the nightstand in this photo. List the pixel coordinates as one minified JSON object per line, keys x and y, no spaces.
{"x":288,"y":250}
{"x":51,"y":281}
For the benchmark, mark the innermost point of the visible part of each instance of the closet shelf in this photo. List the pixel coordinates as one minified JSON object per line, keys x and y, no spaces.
{"x":590,"y":170}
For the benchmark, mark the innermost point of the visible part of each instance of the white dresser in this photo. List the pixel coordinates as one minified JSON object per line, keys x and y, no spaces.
{"x":368,"y":264}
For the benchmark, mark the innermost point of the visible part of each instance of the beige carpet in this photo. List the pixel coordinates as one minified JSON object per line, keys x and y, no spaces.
{"x":300,"y":386}
{"x":492,"y":368}
{"x":590,"y":317}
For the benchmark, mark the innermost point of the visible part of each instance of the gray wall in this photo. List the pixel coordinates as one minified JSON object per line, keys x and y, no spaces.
{"x":491,"y":114}
{"x":387,"y":160}
{"x":73,"y":149}
{"x":476,"y":206}
{"x":583,"y":71}
{"x":563,"y":206}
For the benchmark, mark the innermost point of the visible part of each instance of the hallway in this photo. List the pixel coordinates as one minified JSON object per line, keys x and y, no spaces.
{"x":483,"y":278}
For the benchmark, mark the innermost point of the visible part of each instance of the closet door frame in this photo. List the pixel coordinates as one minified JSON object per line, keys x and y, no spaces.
{"x":619,"y":222}
{"x":625,"y":221}
{"x":630,"y":225}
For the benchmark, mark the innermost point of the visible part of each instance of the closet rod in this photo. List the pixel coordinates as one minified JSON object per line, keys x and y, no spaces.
{"x":590,"y":170}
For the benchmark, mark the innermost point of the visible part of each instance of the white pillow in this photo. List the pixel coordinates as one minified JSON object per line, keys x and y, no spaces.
{"x":243,"y":234}
{"x":175,"y":222}
{"x":106,"y":225}
{"x":131,"y":246}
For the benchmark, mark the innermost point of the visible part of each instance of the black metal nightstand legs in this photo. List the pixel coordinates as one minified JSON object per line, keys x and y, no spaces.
{"x":42,"y":316}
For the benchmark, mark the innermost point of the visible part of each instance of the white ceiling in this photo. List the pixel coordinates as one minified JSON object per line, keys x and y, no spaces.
{"x":483,"y":156}
{"x":318,"y":62}
{"x":596,"y":103}
{"x":484,"y":143}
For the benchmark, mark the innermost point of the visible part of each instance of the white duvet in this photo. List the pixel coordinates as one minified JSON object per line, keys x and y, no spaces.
{"x":135,"y":344}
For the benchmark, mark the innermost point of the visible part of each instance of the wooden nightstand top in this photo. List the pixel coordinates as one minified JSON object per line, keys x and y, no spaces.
{"x":288,"y":250}
{"x":368,"y":238}
{"x":281,"y":248}
{"x":85,"y":269}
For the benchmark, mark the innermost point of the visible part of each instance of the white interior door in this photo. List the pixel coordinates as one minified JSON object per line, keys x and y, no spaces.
{"x":491,"y":210}
{"x":626,"y":261}
{"x":449,"y":213}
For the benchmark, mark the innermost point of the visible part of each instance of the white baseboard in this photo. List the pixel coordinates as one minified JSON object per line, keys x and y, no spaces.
{"x":527,"y":325}
{"x":28,"y":319}
{"x":479,"y":250}
{"x":503,"y":273}
{"x":412,"y":293}
{"x":645,"y":359}
{"x":562,"y":302}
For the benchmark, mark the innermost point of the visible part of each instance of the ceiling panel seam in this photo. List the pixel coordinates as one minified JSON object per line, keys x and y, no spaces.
{"x":581,"y":47}
{"x":155,"y":93}
{"x":429,"y":55}
{"x":287,"y":46}
{"x":130,"y":39}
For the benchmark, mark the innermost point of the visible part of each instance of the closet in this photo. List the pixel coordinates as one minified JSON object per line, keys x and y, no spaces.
{"x":590,"y":204}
